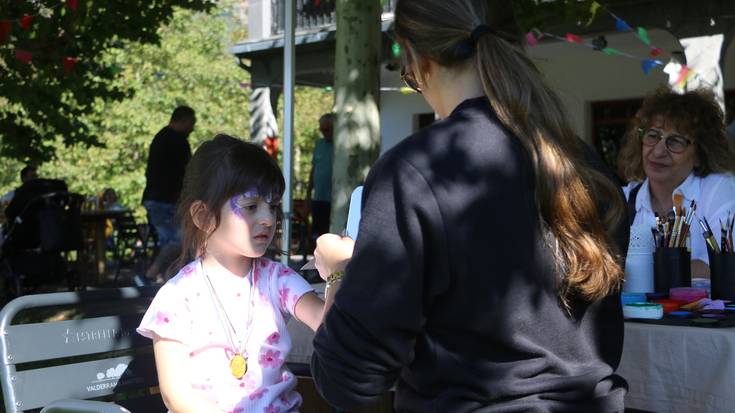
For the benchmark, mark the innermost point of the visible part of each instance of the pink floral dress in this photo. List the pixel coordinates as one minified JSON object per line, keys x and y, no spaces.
{"x":183,"y":310}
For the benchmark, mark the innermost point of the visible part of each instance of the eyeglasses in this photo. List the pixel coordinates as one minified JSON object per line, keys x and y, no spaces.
{"x":409,"y":79}
{"x":673,"y":143}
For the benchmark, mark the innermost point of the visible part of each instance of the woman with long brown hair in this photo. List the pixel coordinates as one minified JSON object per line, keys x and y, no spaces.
{"x":484,"y":277}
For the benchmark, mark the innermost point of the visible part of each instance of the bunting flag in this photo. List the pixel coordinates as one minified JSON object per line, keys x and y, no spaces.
{"x":685,"y":74}
{"x":72,"y":4}
{"x":643,"y":35}
{"x":655,"y":52}
{"x":69,"y":63}
{"x":26,"y":21}
{"x":612,"y":52}
{"x":24,"y":56}
{"x":648,"y":64}
{"x":593,"y":12}
{"x":621,"y":25}
{"x":573,"y":38}
{"x":5,"y":28}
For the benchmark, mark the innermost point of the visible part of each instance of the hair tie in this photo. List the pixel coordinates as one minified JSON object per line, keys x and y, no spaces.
{"x":479,"y":31}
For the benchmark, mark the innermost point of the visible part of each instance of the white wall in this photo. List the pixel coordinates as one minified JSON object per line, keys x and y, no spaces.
{"x":397,"y":112}
{"x":579,"y":74}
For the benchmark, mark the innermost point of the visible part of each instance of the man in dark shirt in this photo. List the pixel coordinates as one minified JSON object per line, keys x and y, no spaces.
{"x":167,"y":159}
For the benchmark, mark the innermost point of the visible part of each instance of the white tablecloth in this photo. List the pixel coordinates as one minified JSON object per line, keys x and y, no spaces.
{"x":679,"y":369}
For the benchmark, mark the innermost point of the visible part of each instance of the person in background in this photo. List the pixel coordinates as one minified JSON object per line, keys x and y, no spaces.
{"x":28,"y":173}
{"x":168,"y":156}
{"x":32,"y":188}
{"x":219,"y":326}
{"x":485,"y":276}
{"x":677,"y":145}
{"x":319,"y":188}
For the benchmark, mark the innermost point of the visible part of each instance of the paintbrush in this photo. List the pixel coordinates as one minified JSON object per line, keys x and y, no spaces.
{"x":678,"y":198}
{"x":708,"y":237}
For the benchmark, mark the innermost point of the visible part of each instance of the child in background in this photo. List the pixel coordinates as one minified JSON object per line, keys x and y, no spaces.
{"x":219,"y":326}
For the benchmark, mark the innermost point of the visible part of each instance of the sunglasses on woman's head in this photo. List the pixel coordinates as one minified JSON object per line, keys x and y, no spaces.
{"x":409,"y":79}
{"x":673,"y":143}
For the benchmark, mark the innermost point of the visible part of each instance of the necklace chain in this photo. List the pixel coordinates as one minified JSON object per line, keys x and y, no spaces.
{"x":221,"y":309}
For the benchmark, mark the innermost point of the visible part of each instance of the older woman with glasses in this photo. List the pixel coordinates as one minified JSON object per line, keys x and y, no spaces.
{"x":677,"y":145}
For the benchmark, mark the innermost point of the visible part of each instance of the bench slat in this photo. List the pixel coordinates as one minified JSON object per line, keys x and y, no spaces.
{"x":87,"y":380}
{"x":46,"y":341}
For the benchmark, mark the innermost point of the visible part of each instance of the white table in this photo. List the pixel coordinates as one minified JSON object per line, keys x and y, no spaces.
{"x":679,"y":369}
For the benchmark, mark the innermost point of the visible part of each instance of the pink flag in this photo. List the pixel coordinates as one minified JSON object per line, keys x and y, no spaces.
{"x":23,"y":55}
{"x":26,"y":21}
{"x":573,"y":38}
{"x":69,"y":63}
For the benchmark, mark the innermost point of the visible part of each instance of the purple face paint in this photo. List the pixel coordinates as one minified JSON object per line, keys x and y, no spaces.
{"x":236,"y":204}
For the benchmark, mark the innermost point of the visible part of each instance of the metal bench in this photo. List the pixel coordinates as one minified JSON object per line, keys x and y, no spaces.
{"x":95,"y":362}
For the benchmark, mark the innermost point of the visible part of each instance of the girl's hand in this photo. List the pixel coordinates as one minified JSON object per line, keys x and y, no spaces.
{"x":332,"y":254}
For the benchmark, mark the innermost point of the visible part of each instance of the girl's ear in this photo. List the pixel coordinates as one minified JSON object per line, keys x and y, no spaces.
{"x":200,"y":216}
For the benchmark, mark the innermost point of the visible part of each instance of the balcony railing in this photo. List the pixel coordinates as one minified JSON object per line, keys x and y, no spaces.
{"x":312,"y":14}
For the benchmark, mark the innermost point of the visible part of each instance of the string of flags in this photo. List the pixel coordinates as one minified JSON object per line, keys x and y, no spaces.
{"x":675,"y":69}
{"x":26,"y":22}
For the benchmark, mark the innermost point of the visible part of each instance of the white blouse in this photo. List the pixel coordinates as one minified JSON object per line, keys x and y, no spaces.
{"x":715,"y":198}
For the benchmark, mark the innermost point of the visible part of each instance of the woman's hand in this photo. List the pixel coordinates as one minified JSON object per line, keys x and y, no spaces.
{"x":332,"y":254}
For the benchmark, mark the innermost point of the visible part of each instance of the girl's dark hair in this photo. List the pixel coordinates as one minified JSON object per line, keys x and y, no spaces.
{"x":696,"y":115}
{"x":220,"y":169}
{"x":484,"y":34}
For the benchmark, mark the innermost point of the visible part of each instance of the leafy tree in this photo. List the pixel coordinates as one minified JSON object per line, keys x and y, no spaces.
{"x":53,"y":70}
{"x":191,"y":65}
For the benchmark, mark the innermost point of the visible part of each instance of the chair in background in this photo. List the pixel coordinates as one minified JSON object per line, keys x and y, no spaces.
{"x":39,"y":242}
{"x":132,"y":244}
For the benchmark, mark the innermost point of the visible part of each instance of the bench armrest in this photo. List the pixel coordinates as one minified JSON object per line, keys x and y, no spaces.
{"x":83,"y":406}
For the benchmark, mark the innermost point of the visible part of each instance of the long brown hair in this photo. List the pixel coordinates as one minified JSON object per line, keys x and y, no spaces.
{"x":566,"y":184}
{"x":696,"y":115}
{"x":220,"y":169}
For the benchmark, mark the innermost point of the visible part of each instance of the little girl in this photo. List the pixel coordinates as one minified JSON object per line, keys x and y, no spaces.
{"x":219,"y":326}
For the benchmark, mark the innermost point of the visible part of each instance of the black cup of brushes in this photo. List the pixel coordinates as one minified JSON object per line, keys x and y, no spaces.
{"x":672,"y":268}
{"x":722,"y":275}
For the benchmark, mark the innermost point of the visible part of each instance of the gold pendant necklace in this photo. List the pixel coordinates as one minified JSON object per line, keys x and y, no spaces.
{"x":238,"y":365}
{"x":239,"y":359}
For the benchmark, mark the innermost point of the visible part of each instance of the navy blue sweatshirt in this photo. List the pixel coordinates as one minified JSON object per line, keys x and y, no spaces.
{"x":451,"y":294}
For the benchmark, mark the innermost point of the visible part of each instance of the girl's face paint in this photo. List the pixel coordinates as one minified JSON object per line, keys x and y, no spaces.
{"x":247,"y":225}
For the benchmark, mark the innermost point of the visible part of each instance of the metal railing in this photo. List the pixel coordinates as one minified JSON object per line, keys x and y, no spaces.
{"x":312,"y":14}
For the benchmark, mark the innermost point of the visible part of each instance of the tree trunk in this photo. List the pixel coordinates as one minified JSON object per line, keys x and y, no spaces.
{"x":357,"y":90}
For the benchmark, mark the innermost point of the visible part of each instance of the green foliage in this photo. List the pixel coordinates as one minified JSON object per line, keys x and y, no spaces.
{"x":41,"y":102}
{"x":191,"y":66}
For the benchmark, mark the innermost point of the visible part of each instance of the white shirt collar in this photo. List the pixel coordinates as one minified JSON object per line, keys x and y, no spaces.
{"x":690,"y":188}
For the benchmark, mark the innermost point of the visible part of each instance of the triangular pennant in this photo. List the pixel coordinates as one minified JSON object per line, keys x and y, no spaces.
{"x":647,"y":65}
{"x":656,"y":52}
{"x":6,"y":26}
{"x":685,"y":74}
{"x":573,"y":38}
{"x":26,"y":21}
{"x":612,"y":52}
{"x":593,"y":12}
{"x":621,"y":25}
{"x":643,"y":34}
{"x":531,"y":39}
{"x":72,"y":4}
{"x":69,"y":63}
{"x":23,"y":55}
